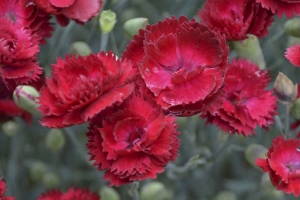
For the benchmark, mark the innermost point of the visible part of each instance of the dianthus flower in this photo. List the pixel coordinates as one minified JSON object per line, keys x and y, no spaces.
{"x":78,"y":10}
{"x":282,"y":165}
{"x":236,"y":19}
{"x":280,"y":7}
{"x":71,"y":194}
{"x":18,"y":53}
{"x":27,"y":17}
{"x":2,"y":191}
{"x":135,"y":142}
{"x":246,"y":103}
{"x":183,"y":63}
{"x":293,"y":54}
{"x":81,"y":87}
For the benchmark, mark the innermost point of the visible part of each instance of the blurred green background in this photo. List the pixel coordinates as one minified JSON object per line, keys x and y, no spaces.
{"x":30,"y":167}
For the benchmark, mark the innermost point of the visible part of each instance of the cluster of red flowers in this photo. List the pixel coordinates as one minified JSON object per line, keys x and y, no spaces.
{"x":71,"y":194}
{"x":176,"y":67}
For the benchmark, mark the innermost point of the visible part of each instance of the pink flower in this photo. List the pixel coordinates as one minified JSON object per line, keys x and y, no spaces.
{"x":18,"y":53}
{"x":135,"y":141}
{"x":183,"y":63}
{"x":2,"y":191}
{"x":293,"y":54}
{"x":236,"y":19}
{"x":81,"y":87}
{"x":71,"y":194}
{"x":280,"y":7}
{"x":246,"y":103}
{"x":282,"y":165}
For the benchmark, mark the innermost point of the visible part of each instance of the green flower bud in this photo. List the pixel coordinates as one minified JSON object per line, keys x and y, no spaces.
{"x":226,"y":195}
{"x":295,"y":110}
{"x":132,"y":26}
{"x":292,"y":27}
{"x":250,"y":49}
{"x":254,"y":151}
{"x":80,"y":48}
{"x":10,"y":128}
{"x":25,"y":97}
{"x":109,"y":193}
{"x":107,"y":21}
{"x":55,"y":139}
{"x":37,"y":171}
{"x":50,"y":180}
{"x":285,"y":89}
{"x":155,"y":190}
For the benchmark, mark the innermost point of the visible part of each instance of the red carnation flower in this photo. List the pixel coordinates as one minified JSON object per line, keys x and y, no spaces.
{"x":246,"y":103}
{"x":71,"y":194}
{"x":293,"y":54}
{"x":182,"y":62}
{"x":78,"y":10}
{"x":135,"y":142}
{"x":280,"y":7}
{"x":27,"y":16}
{"x":2,"y":191}
{"x":236,"y":19}
{"x":282,"y":165}
{"x":18,"y":53}
{"x":81,"y":87}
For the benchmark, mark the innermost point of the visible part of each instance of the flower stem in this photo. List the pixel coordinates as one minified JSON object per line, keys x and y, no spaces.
{"x":104,"y":41}
{"x":133,"y":190}
{"x":287,"y":119}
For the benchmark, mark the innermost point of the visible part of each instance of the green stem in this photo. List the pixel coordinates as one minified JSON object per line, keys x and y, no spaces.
{"x":133,"y":191}
{"x":104,"y":41}
{"x":287,"y":119}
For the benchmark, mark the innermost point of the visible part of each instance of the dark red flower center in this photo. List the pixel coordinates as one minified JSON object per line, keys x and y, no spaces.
{"x":135,"y":137}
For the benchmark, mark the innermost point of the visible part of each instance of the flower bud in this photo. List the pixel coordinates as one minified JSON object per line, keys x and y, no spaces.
{"x":109,"y":193}
{"x":55,"y":139}
{"x":107,"y":21}
{"x":250,"y":49}
{"x":295,"y":109}
{"x":50,"y":180}
{"x":292,"y":27}
{"x":285,"y":89}
{"x":254,"y":151}
{"x":132,"y":26}
{"x":80,"y":48}
{"x":155,"y":190}
{"x":37,"y":171}
{"x":10,"y":128}
{"x":25,"y":97}
{"x":226,"y":195}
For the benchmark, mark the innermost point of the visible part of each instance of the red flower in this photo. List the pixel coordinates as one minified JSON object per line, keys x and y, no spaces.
{"x":280,"y":7}
{"x":246,"y":103}
{"x":282,"y":165}
{"x":2,"y":191}
{"x":79,"y":10}
{"x":182,"y":62}
{"x":71,"y":194}
{"x":82,"y":87}
{"x":293,"y":54}
{"x":135,"y":142}
{"x":18,"y":53}
{"x":236,"y":19}
{"x":28,"y":17}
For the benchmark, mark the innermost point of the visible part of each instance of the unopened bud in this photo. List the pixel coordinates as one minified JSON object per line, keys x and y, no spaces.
{"x":55,"y":139}
{"x":109,"y":193}
{"x":132,"y":26}
{"x":107,"y":21}
{"x":254,"y":151}
{"x":292,"y":27}
{"x":285,"y":89}
{"x":155,"y":190}
{"x":80,"y":48}
{"x":295,"y":109}
{"x":37,"y":171}
{"x":226,"y":195}
{"x":10,"y":128}
{"x":50,"y":180}
{"x":250,"y":49}
{"x":25,"y":97}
